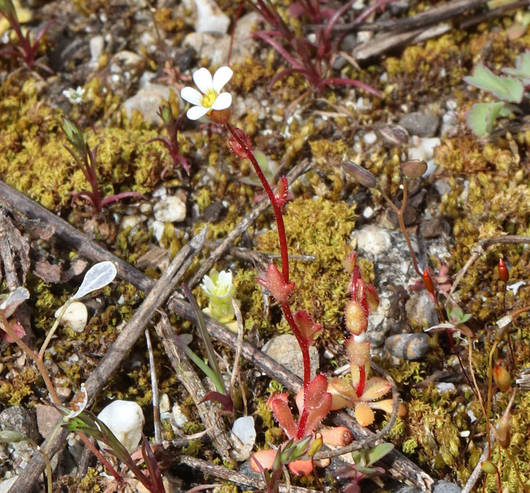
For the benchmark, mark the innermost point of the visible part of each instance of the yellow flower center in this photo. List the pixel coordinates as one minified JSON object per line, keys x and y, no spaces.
{"x":209,"y":98}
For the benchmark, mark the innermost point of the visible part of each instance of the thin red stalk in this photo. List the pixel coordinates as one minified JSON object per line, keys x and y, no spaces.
{"x":362,"y":380}
{"x":286,"y":309}
{"x":277,"y":209}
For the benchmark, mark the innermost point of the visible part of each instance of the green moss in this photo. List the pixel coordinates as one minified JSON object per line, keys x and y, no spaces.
{"x":33,"y":158}
{"x":321,"y":285}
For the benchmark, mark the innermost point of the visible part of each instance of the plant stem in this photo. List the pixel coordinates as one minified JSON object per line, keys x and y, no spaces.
{"x":304,"y":347}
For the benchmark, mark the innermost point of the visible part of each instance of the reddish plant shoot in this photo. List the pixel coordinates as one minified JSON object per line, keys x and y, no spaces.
{"x":503,"y":270}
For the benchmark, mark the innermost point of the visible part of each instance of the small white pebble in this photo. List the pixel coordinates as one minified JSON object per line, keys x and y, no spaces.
{"x":75,"y":316}
{"x":370,"y":138}
{"x":368,"y":212}
{"x":179,"y":418}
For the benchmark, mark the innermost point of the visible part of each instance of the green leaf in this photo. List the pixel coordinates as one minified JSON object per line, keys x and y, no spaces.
{"x":505,"y":88}
{"x":378,"y":452}
{"x":522,"y":66}
{"x":481,"y":117}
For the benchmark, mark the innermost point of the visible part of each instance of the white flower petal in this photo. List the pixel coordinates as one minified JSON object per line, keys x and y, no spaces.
{"x":223,"y":101}
{"x":203,"y":80}
{"x":221,"y":77}
{"x":207,"y":285}
{"x":196,"y":112}
{"x":191,"y":95}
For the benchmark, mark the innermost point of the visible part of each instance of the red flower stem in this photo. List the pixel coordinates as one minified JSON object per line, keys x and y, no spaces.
{"x":277,"y":209}
{"x":286,"y":309}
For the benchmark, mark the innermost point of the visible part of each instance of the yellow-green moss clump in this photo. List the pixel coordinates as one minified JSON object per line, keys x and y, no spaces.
{"x":33,"y":158}
{"x":320,"y":228}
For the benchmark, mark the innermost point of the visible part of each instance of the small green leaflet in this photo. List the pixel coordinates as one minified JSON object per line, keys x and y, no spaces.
{"x":505,"y":88}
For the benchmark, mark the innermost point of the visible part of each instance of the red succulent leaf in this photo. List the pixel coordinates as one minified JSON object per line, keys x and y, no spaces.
{"x":223,"y":399}
{"x":307,"y":327}
{"x":279,"y":405}
{"x":275,"y":283}
{"x":317,"y":404}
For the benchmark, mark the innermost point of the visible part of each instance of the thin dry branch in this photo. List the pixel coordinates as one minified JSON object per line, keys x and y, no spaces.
{"x":235,"y":477}
{"x":210,"y":413}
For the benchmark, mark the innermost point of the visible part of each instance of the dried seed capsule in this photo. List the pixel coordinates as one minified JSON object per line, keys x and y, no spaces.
{"x":503,"y":270}
{"x":362,"y":175}
{"x":413,"y":169}
{"x":393,"y":134}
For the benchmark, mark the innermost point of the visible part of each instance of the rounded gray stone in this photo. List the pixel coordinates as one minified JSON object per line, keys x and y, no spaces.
{"x":408,"y":346}
{"x":284,"y":349}
{"x":420,"y":124}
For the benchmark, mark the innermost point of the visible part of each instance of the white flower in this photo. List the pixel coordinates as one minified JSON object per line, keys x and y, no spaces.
{"x":211,"y":98}
{"x":75,"y":96}
{"x":218,"y":285}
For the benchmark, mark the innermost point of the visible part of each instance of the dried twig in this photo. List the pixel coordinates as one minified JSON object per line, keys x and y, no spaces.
{"x":209,"y":412}
{"x":235,"y":477}
{"x":119,"y":349}
{"x":154,"y":389}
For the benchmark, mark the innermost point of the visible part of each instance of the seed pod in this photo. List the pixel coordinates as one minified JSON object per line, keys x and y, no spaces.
{"x":502,"y":376}
{"x":356,"y":319}
{"x":427,"y":280}
{"x":361,"y":175}
{"x":393,"y":134}
{"x":503,"y":270}
{"x":413,"y":169}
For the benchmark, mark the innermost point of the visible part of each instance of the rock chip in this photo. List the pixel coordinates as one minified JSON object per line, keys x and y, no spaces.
{"x":170,"y":209}
{"x":47,"y":417}
{"x":421,"y":311}
{"x":446,"y":487}
{"x":210,"y":18}
{"x":284,"y":349}
{"x":408,"y":346}
{"x":373,"y":240}
{"x":420,"y":124}
{"x":147,"y":101}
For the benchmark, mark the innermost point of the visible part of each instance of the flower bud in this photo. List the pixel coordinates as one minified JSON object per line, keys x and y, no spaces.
{"x":359,"y":352}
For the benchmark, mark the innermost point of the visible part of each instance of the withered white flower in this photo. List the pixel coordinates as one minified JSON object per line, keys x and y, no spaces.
{"x":211,"y":98}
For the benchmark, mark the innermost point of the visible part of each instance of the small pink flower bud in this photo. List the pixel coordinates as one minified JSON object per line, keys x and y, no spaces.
{"x":239,"y":150}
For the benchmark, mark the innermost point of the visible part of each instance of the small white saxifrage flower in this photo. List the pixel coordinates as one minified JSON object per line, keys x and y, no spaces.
{"x":218,"y":284}
{"x":211,"y":98}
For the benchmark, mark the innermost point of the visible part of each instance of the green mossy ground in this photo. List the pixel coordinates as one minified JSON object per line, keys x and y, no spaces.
{"x":489,"y":197}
